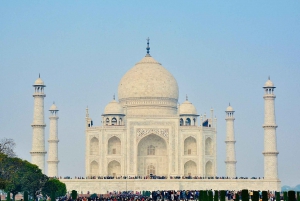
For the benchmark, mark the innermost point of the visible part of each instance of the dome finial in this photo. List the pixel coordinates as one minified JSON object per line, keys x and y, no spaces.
{"x":148,"y":47}
{"x":269,"y":77}
{"x":186,"y":97}
{"x":39,"y":75}
{"x":114,"y":97}
{"x":229,"y":103}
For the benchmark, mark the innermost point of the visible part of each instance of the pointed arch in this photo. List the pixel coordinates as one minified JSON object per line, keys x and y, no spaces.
{"x":114,"y":146}
{"x":208,"y":146}
{"x":114,"y":168}
{"x":107,"y":121}
{"x":181,"y":122}
{"x":190,"y":168}
{"x":94,"y":146}
{"x":94,"y":168}
{"x":209,"y":169}
{"x":190,"y":146}
{"x":188,"y":122}
{"x":114,"y":121}
{"x":152,"y":149}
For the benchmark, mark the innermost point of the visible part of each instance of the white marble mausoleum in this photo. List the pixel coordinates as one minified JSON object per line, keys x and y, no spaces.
{"x":147,"y":132}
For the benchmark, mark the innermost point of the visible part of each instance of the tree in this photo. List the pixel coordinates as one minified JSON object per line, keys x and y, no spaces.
{"x":15,"y":170}
{"x":33,"y":179}
{"x":54,"y":186}
{"x":7,"y":147}
{"x":4,"y":174}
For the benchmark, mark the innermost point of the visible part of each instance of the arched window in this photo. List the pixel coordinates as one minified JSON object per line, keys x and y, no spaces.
{"x":151,"y":169}
{"x":190,"y":146}
{"x":107,"y":121}
{"x":114,"y":146}
{"x":151,"y":150}
{"x":94,"y":168}
{"x":209,"y":169}
{"x":190,"y":168}
{"x":181,"y":122}
{"x":94,"y":146}
{"x":188,"y":122}
{"x":114,"y":121}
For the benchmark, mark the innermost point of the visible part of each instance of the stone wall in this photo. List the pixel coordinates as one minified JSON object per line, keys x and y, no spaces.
{"x":103,"y":185}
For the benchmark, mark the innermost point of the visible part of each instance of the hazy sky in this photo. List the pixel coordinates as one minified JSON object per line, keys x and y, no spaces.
{"x":218,"y":51}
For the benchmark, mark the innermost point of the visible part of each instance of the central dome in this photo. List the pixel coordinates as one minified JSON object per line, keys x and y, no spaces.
{"x":148,"y":79}
{"x":148,"y":83}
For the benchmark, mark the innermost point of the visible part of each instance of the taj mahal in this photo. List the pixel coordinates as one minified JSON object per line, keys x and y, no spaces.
{"x":146,"y":132}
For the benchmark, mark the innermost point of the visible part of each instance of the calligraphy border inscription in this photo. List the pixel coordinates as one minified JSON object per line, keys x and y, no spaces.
{"x":142,"y":132}
{"x":151,"y":123}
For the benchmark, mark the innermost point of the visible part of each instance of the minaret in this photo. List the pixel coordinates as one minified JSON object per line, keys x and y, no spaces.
{"x":270,"y":145}
{"x":230,"y":143}
{"x":53,"y":143}
{"x":38,"y":126}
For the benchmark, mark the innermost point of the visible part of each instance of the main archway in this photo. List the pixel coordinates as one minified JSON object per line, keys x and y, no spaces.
{"x":152,"y":156}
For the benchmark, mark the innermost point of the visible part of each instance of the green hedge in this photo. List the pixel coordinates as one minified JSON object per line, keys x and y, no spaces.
{"x":265,"y":196}
{"x":285,"y":196}
{"x":222,"y":195}
{"x":291,"y":196}
{"x":210,"y":196}
{"x":216,"y":197}
{"x":245,"y":195}
{"x":277,"y":196}
{"x":205,"y":196}
{"x":255,"y":196}
{"x":74,"y":194}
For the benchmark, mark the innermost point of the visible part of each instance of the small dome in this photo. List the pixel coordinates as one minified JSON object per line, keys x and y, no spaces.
{"x":39,"y":81}
{"x":229,"y":109}
{"x":187,"y":108}
{"x":113,"y":108}
{"x":53,"y":108}
{"x":269,"y":83}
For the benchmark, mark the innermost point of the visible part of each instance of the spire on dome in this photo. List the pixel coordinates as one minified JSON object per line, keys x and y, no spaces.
{"x":148,"y":48}
{"x":186,"y":97}
{"x":269,"y":77}
{"x":114,"y":97}
{"x":39,"y":75}
{"x":87,"y":112}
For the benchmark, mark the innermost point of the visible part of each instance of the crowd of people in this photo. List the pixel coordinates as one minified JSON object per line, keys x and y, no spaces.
{"x":164,"y":195}
{"x":156,"y":177}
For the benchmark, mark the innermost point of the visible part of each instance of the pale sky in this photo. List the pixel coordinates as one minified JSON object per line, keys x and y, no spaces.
{"x":218,"y":51}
